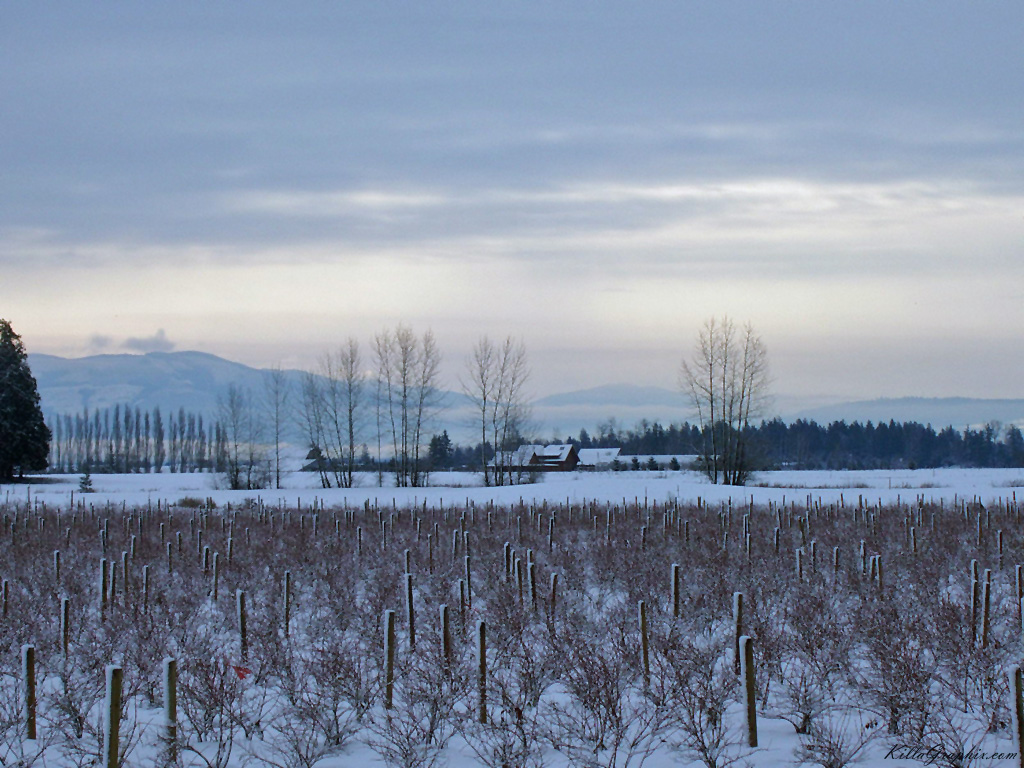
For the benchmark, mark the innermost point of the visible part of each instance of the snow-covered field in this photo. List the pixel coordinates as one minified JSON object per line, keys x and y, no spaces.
{"x":887,"y":486}
{"x":853,"y":653}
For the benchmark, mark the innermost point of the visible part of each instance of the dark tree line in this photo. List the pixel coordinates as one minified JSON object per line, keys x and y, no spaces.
{"x":645,"y":438}
{"x":839,"y":445}
{"x":125,"y":439}
{"x":130,"y":440}
{"x":808,"y":445}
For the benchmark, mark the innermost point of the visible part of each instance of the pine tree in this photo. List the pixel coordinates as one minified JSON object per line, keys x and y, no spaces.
{"x":24,"y":436}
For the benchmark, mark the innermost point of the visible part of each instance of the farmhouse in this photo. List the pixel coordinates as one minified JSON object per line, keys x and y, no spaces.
{"x":543,"y":458}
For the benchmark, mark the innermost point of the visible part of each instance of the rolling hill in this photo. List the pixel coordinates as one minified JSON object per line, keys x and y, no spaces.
{"x":195,"y":380}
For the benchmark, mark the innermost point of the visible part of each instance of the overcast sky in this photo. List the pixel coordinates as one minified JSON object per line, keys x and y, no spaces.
{"x":262,"y":180}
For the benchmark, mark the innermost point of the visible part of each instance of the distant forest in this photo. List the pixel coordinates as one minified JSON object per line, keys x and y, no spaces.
{"x":809,"y":445}
{"x":123,"y":439}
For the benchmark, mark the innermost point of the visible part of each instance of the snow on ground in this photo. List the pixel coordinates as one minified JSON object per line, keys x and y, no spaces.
{"x":777,"y":738}
{"x":887,"y":486}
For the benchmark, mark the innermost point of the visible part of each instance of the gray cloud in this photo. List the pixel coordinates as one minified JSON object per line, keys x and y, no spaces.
{"x":135,"y":126}
{"x":342,"y":147}
{"x":98,"y":342}
{"x":158,"y":342}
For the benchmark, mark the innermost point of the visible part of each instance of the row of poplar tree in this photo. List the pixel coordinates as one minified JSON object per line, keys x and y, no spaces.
{"x":126,"y":439}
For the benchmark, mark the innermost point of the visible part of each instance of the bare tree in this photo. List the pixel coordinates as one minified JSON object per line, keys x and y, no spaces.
{"x":343,"y":405}
{"x":408,"y":375}
{"x":496,"y":379}
{"x":479,"y":387}
{"x":277,"y":400}
{"x":311,"y":418}
{"x":246,"y":464}
{"x":727,"y":382}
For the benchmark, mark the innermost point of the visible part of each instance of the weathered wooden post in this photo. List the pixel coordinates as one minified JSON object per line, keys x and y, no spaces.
{"x":65,"y":626}
{"x":986,"y":603}
{"x":112,"y":721}
{"x":410,"y":612}
{"x":215,"y":577}
{"x":676,"y":598}
{"x":737,"y":627}
{"x":749,"y":691}
{"x":103,"y":587}
{"x":113,"y":583}
{"x":645,"y":648}
{"x":28,"y":665}
{"x":463,"y":609}
{"x":243,"y":635}
{"x":1017,"y":710}
{"x":389,"y":658}
{"x":975,"y":604}
{"x":287,"y":600}
{"x":481,"y":654}
{"x":171,"y":709}
{"x":446,"y":638}
{"x":531,"y":578}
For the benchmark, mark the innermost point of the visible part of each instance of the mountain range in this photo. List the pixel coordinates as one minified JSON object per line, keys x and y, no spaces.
{"x":195,"y":380}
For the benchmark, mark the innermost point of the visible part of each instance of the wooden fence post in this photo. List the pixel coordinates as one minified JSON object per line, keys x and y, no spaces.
{"x":749,"y":691}
{"x":481,"y":653}
{"x":171,"y":709}
{"x":28,"y":663}
{"x":389,"y":658}
{"x":112,"y":722}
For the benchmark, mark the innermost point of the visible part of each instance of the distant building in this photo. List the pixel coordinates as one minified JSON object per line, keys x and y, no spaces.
{"x":543,"y":458}
{"x":567,"y":457}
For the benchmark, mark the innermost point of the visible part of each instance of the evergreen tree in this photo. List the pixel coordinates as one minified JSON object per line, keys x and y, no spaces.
{"x":441,"y":451}
{"x":24,"y":436}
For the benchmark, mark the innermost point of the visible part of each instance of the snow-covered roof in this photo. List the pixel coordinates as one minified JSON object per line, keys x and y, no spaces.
{"x":539,"y":455}
{"x":554,"y":452}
